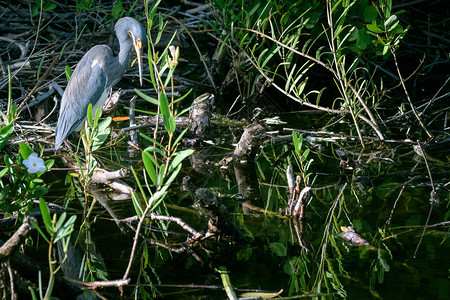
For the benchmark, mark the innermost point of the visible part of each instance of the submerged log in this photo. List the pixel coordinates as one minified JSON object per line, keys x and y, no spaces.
{"x":200,"y":115}
{"x":253,"y":137}
{"x":220,"y":221}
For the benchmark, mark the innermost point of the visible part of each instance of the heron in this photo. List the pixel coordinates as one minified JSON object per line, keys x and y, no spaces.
{"x":95,"y":75}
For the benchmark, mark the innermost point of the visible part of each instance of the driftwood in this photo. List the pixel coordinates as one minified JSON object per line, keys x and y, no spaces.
{"x":298,"y":198}
{"x":17,"y":239}
{"x":253,"y":137}
{"x":200,"y":115}
{"x":112,"y":179}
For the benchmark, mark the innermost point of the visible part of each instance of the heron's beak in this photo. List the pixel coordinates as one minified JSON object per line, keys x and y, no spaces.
{"x":138,"y":48}
{"x":137,"y":43}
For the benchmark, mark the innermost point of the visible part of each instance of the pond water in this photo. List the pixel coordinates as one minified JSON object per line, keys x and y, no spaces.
{"x":383,"y":192}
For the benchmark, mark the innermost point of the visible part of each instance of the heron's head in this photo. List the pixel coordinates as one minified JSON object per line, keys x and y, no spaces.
{"x":136,"y":32}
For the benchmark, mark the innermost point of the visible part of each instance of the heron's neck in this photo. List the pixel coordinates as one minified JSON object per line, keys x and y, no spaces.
{"x":125,"y":50}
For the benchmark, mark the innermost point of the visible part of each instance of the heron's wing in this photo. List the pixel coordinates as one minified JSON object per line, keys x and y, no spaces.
{"x":87,"y":84}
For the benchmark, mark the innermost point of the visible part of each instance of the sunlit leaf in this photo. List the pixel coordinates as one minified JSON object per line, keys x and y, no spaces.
{"x":261,"y":295}
{"x":154,"y":149}
{"x":172,"y":176}
{"x":46,"y":215}
{"x":390,"y":21}
{"x":5,"y":133}
{"x":182,"y":97}
{"x":161,"y":173}
{"x":374,"y":28}
{"x":66,"y":229}
{"x":61,"y":220}
{"x":296,"y":143}
{"x":147,"y":98}
{"x":24,"y":150}
{"x":156,"y":198}
{"x":137,"y":204}
{"x":179,"y":157}
{"x":172,"y":126}
{"x":89,"y":115}
{"x":98,"y":114}
{"x":169,"y":122}
{"x":180,"y":136}
{"x":149,"y":164}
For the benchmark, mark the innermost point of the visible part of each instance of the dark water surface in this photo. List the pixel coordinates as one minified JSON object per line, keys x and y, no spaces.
{"x":401,"y":261}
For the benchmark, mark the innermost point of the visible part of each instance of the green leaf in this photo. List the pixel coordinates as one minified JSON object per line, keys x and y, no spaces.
{"x":117,"y":9}
{"x":179,"y":157}
{"x":173,"y":176}
{"x":141,"y":189}
{"x":33,"y":294}
{"x":385,"y":49}
{"x":374,"y":28}
{"x":46,"y":216}
{"x":390,"y":21}
{"x":278,"y":249}
{"x":40,"y":231}
{"x":160,"y":179}
{"x":66,"y":229}
{"x":24,"y":150}
{"x":61,"y":219}
{"x":49,"y":163}
{"x":149,"y":164}
{"x":370,"y":13}
{"x":387,"y":5}
{"x":156,"y":198}
{"x":305,"y":155}
{"x":151,"y":140}
{"x":393,"y":26}
{"x":98,"y":114}
{"x":172,"y":126}
{"x":147,"y":98}
{"x":165,"y":111}
{"x":182,"y":97}
{"x":2,"y":173}
{"x":101,"y":133}
{"x":296,"y":143}
{"x":154,"y":149}
{"x":89,"y":115}
{"x":137,"y":204}
{"x":180,"y":136}
{"x":383,"y":262}
{"x":5,"y":133}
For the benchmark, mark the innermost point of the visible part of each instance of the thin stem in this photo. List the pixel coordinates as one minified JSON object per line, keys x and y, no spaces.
{"x":50,"y":266}
{"x":136,"y":237}
{"x":407,"y":94}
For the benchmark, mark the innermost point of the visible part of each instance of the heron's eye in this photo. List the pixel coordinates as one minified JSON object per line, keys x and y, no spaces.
{"x":139,"y":43}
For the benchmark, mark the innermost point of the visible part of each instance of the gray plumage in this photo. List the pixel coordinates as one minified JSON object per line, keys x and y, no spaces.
{"x":95,"y":75}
